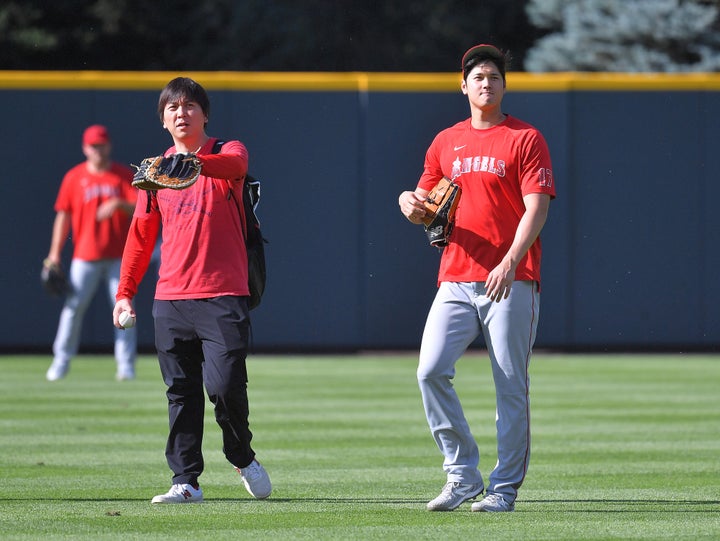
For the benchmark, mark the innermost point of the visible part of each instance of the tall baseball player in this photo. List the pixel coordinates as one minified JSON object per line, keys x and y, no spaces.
{"x":489,"y":280}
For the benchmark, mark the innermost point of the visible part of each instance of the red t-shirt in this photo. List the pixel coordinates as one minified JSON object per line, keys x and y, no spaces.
{"x":81,"y":193}
{"x":495,"y":167}
{"x":203,"y":248}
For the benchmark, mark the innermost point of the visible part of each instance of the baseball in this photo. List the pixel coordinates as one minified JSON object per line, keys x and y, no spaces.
{"x":126,"y":320}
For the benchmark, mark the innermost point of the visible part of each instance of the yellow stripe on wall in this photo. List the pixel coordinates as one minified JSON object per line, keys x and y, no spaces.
{"x":353,"y":81}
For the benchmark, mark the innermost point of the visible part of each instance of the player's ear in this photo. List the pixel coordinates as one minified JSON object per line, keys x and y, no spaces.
{"x":463,"y":87}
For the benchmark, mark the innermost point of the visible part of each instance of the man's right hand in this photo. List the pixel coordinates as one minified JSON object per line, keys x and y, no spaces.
{"x":123,"y":305}
{"x":411,"y":205}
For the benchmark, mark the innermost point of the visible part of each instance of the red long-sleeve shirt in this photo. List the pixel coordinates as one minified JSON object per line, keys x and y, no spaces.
{"x":203,"y":249}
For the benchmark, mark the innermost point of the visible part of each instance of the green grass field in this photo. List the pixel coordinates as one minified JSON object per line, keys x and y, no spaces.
{"x":624,"y":447}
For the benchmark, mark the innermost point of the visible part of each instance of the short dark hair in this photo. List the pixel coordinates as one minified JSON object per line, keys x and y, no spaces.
{"x":183,"y":89}
{"x":484,"y":53}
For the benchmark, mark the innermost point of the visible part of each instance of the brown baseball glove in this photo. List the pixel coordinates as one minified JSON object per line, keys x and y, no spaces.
{"x":177,"y":171}
{"x":440,"y":206}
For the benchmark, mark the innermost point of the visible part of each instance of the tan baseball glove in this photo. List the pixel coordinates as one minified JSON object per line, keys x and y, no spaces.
{"x":177,"y":171}
{"x":440,"y":206}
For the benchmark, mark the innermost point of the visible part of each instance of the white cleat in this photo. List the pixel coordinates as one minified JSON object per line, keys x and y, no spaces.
{"x":454,"y":494}
{"x":493,"y":503}
{"x":57,"y":370}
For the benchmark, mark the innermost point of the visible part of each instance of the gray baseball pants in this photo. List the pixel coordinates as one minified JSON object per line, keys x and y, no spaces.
{"x":85,"y":277}
{"x":459,"y":313}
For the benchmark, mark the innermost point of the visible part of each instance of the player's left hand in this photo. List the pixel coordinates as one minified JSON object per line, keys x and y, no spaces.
{"x":499,"y":282}
{"x":107,"y":208}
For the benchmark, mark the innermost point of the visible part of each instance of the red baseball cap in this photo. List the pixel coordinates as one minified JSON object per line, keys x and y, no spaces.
{"x":96,"y":135}
{"x":484,"y":48}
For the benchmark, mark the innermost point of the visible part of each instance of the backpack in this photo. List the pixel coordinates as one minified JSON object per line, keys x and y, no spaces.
{"x":254,"y":240}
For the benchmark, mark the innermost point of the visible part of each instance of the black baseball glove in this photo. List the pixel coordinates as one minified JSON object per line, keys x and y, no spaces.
{"x":177,"y":171}
{"x":53,"y":279}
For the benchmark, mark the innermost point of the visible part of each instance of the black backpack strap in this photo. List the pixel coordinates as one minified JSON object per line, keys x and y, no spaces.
{"x":150,"y":195}
{"x":217,"y":146}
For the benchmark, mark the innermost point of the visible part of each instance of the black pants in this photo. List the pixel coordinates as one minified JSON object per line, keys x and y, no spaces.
{"x":204,"y":341}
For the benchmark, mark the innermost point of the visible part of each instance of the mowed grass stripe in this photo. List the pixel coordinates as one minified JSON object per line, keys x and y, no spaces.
{"x":624,"y":447}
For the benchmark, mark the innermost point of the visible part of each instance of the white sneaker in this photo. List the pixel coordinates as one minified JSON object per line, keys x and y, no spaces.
{"x":125,"y":373}
{"x":57,"y":370}
{"x":453,"y":494}
{"x":184,"y":493}
{"x":493,"y":503}
{"x":256,"y":480}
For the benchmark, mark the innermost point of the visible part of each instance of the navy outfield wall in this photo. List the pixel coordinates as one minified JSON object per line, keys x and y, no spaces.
{"x":630,"y":248}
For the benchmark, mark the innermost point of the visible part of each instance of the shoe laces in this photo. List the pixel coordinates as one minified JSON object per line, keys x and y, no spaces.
{"x":497,"y":500}
{"x":252,"y":471}
{"x":183,"y":489}
{"x":177,"y":489}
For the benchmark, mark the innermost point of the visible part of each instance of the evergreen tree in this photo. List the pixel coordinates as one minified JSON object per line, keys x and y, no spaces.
{"x":256,"y":35}
{"x":625,"y":35}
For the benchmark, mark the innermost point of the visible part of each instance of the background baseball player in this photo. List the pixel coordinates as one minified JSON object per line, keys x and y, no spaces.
{"x":488,"y":281}
{"x":95,"y":201}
